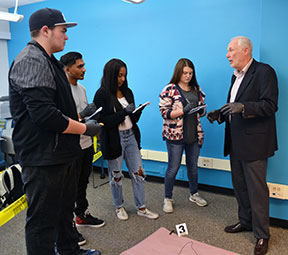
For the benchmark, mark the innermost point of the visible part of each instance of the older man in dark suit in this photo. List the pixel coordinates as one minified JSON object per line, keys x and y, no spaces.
{"x":250,"y":137}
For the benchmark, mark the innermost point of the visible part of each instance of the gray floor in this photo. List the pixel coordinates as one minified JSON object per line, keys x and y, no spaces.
{"x":204,"y":224}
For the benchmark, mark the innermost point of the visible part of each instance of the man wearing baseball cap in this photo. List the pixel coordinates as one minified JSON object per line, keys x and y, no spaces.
{"x":46,"y":136}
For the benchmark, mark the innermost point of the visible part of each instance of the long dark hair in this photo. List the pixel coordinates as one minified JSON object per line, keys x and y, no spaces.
{"x":109,"y":80}
{"x":178,"y":71}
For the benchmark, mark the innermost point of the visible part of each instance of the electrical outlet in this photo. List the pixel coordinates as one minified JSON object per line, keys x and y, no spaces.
{"x":277,"y":190}
{"x":144,"y":154}
{"x":205,"y":162}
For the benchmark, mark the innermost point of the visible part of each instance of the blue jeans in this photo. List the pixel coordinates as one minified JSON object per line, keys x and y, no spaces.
{"x":132,"y":156}
{"x":175,"y":152}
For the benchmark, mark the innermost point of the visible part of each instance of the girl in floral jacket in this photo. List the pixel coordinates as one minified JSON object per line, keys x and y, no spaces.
{"x":182,"y":128}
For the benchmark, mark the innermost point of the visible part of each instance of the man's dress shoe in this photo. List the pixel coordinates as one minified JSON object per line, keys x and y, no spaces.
{"x":261,"y":246}
{"x":236,"y":228}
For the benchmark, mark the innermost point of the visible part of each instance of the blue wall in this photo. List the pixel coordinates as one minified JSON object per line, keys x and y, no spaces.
{"x":273,"y":50}
{"x":152,"y":36}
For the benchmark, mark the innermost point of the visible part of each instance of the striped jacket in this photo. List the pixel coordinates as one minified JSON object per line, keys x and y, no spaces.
{"x":171,"y":99}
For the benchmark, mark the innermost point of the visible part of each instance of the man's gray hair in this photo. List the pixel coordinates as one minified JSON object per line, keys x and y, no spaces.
{"x":244,"y":42}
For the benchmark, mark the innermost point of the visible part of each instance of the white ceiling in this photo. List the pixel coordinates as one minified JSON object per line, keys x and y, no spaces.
{"x":11,"y":3}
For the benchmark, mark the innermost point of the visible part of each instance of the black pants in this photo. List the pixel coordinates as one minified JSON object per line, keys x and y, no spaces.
{"x":84,"y":170}
{"x":252,"y":194}
{"x":51,"y":194}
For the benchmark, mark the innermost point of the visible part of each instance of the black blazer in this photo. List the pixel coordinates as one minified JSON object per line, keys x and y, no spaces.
{"x":109,"y":136}
{"x":252,"y":135}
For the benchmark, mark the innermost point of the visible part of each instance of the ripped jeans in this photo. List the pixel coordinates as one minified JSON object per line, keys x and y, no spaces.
{"x":132,"y":156}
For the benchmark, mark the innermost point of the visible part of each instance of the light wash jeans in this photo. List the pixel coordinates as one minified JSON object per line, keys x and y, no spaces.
{"x":132,"y":156}
{"x":175,"y":152}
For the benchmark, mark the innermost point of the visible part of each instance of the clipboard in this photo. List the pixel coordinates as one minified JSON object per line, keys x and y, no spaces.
{"x":141,"y":107}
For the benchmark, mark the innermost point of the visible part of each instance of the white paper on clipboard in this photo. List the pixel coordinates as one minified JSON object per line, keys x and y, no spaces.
{"x":142,"y":106}
{"x":97,"y":111}
{"x":196,"y":109}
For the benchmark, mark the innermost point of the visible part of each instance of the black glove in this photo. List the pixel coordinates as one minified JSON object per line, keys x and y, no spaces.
{"x":129,"y":108}
{"x":188,"y":107}
{"x":231,"y":108}
{"x":89,"y":110}
{"x":213,"y":115}
{"x":92,"y":128}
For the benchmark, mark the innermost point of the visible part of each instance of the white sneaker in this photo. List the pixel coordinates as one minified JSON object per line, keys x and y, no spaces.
{"x":148,"y":214}
{"x":195,"y":198}
{"x":121,"y":213}
{"x":168,"y":205}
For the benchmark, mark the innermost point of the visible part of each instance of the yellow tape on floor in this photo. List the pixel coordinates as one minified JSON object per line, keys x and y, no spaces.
{"x":12,"y":210}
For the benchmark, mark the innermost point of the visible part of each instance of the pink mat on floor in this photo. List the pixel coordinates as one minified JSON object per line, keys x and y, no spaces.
{"x":162,"y":243}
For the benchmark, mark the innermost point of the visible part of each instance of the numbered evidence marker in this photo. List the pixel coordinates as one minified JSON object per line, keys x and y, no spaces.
{"x":182,"y":229}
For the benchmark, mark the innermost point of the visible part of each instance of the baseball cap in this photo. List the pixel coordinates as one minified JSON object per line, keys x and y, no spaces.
{"x":48,"y":17}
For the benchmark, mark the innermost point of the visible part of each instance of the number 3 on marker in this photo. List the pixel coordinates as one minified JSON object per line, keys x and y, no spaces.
{"x":182,"y":229}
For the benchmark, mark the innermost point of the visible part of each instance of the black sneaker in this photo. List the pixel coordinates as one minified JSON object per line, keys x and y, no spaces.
{"x":87,"y":219}
{"x":81,"y":239}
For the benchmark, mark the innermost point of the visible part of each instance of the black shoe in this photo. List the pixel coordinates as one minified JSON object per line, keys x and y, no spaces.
{"x":88,"y":220}
{"x":81,"y":239}
{"x":261,"y":246}
{"x":236,"y":228}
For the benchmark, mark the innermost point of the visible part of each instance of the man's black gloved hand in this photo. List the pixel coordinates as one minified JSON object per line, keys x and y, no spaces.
{"x":231,"y":108}
{"x":92,"y":128}
{"x":89,"y":110}
{"x":188,"y":107}
{"x":129,"y":108}
{"x":213,"y":115}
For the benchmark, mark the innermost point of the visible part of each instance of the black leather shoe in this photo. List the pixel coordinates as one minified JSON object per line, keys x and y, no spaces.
{"x":236,"y":228}
{"x":261,"y":246}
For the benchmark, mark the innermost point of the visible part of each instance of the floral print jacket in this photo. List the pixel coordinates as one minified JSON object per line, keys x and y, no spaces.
{"x":172,"y":99}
